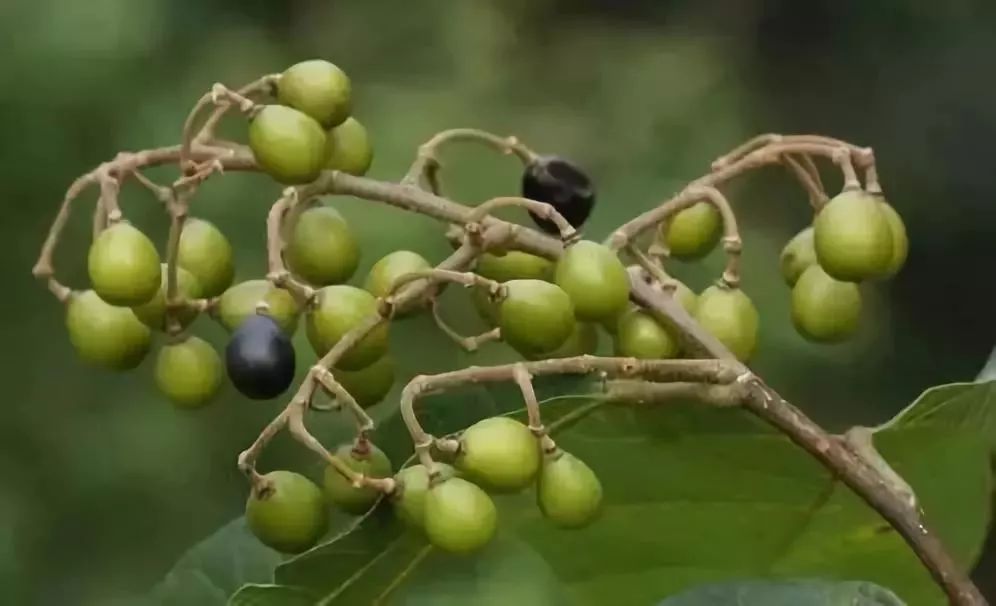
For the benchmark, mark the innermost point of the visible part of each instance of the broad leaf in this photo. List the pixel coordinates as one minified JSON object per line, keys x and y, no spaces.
{"x":786,"y":593}
{"x":959,"y":406}
{"x":271,"y":595}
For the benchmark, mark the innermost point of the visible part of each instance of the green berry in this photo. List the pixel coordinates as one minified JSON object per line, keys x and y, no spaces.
{"x":639,"y":335}
{"x":583,"y":340}
{"x":499,"y":453}
{"x":321,"y":248}
{"x":389,"y":268}
{"x":852,"y":237}
{"x":459,"y":517}
{"x":595,"y":280}
{"x":317,"y":88}
{"x":337,"y":310}
{"x":286,"y":512}
{"x":693,"y":232}
{"x":104,"y":335}
{"x":797,"y":256}
{"x":153,"y":313}
{"x":287,"y":144}
{"x":568,"y":491}
{"x":239,"y":302}
{"x":514,"y":265}
{"x":189,"y":372}
{"x":412,"y":488}
{"x":824,"y":309}
{"x":205,"y":252}
{"x":124,"y":266}
{"x":349,"y":148}
{"x":536,"y":317}
{"x":368,"y":460}
{"x":731,"y":317}
{"x":370,"y":384}
{"x":900,"y":241}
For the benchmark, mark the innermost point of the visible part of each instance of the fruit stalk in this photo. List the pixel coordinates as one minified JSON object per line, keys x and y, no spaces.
{"x":807,"y":178}
{"x":469,"y":344}
{"x":524,"y":380}
{"x":427,"y":160}
{"x":567,"y":232}
{"x":334,"y":389}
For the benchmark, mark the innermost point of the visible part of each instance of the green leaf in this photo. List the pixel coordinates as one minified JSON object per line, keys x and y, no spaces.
{"x":967,"y":407}
{"x":214,"y":568}
{"x":271,"y":595}
{"x":786,"y":593}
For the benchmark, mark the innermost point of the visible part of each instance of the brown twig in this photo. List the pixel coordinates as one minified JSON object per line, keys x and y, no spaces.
{"x":817,"y":197}
{"x":427,"y":159}
{"x":471,"y":343}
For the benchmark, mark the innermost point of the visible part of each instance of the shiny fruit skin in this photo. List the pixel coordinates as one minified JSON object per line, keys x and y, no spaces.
{"x":124,"y":266}
{"x":536,"y":317}
{"x":338,"y":309}
{"x":693,"y":232}
{"x":319,"y":89}
{"x":459,"y":517}
{"x":189,"y":372}
{"x":825,"y":310}
{"x":239,"y":302}
{"x":288,"y":145}
{"x":595,"y":280}
{"x":852,"y":237}
{"x":583,"y":340}
{"x":514,"y":265}
{"x":370,"y":384}
{"x":568,"y":492}
{"x":797,"y":256}
{"x":730,"y":316}
{"x":104,"y":335}
{"x":206,"y":253}
{"x":153,"y":312}
{"x":286,"y":512}
{"x":349,"y":148}
{"x":562,"y":184}
{"x":371,"y":462}
{"x":413,"y":486}
{"x":500,"y":454}
{"x":259,"y":358}
{"x":900,"y":240}
{"x":639,"y":335}
{"x":321,"y":247}
{"x":390,"y":267}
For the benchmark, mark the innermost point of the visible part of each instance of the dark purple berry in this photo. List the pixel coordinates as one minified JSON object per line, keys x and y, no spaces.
{"x":563,"y":185}
{"x":260,"y":358}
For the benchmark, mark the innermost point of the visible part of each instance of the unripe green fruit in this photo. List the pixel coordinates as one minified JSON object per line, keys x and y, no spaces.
{"x":639,"y":335}
{"x":371,"y":462}
{"x":568,"y":491}
{"x":852,"y":237}
{"x":459,"y":517}
{"x":321,"y":247}
{"x":900,"y":241}
{"x":536,"y":317}
{"x":287,"y":144}
{"x":317,"y":88}
{"x":595,"y":280}
{"x":693,"y":232}
{"x":823,"y":309}
{"x":797,"y":256}
{"x":105,"y":335}
{"x":189,"y":372}
{"x":153,"y":313}
{"x":349,"y":148}
{"x":412,"y":488}
{"x":392,"y":266}
{"x":337,"y":310}
{"x":240,"y":301}
{"x":583,"y":340}
{"x":514,"y":265}
{"x":488,"y":310}
{"x":499,"y":453}
{"x":124,"y":266}
{"x":286,"y":512}
{"x":205,"y":252}
{"x":370,"y":384}
{"x":730,"y":316}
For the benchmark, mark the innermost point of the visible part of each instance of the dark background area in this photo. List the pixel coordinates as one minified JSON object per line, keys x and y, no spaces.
{"x":106,"y":484}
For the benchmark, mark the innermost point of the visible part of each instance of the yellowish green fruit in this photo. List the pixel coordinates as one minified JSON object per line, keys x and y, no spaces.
{"x":390,"y":267}
{"x":240,"y":301}
{"x":104,"y":335}
{"x":693,"y":232}
{"x":488,"y":310}
{"x":337,"y":310}
{"x":797,"y":256}
{"x":321,"y":248}
{"x":514,"y":265}
{"x":189,"y":372}
{"x":408,"y":498}
{"x":583,"y":340}
{"x":287,"y":144}
{"x":206,"y":253}
{"x":595,"y":280}
{"x":370,"y":384}
{"x":730,"y":316}
{"x":499,"y":453}
{"x":286,"y":512}
{"x":350,"y":149}
{"x":824,"y":309}
{"x":900,"y":241}
{"x":852,"y":237}
{"x":568,"y":492}
{"x":639,"y":335}
{"x":153,"y":313}
{"x":124,"y":266}
{"x":367,"y":460}
{"x":459,"y":517}
{"x":536,"y":317}
{"x":317,"y":88}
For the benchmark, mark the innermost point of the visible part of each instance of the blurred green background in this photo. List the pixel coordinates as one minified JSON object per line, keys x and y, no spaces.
{"x":106,"y":484}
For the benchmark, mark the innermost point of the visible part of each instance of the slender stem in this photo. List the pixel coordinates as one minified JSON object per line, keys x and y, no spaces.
{"x":567,"y":232}
{"x":335,"y":389}
{"x":524,"y":380}
{"x":427,"y":152}
{"x":219,"y":96}
{"x":653,"y":267}
{"x":814,"y":172}
{"x":470,"y":344}
{"x":274,"y":231}
{"x":178,"y":217}
{"x":817,"y":197}
{"x":264,"y":84}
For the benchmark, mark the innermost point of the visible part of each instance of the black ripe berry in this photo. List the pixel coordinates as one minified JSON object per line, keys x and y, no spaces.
{"x":260,"y":358}
{"x":563,"y":185}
